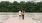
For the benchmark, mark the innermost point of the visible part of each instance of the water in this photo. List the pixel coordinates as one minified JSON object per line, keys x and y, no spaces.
{"x":36,"y":17}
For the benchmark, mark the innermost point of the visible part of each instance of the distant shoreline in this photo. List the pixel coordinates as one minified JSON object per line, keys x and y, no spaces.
{"x":25,"y":12}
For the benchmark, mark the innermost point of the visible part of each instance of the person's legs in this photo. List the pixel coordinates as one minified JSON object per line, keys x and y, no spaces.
{"x":23,"y":17}
{"x":19,"y":16}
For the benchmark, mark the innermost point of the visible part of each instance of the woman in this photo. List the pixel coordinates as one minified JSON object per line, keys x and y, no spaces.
{"x":20,"y":14}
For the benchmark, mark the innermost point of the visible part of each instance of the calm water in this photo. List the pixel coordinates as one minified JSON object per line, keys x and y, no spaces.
{"x":6,"y":15}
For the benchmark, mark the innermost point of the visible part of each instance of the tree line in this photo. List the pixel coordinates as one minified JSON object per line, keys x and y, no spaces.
{"x":6,"y":6}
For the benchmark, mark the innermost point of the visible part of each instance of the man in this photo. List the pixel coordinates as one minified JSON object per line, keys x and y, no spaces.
{"x":23,"y":15}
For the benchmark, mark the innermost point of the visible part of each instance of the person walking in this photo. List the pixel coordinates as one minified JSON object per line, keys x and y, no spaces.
{"x":23,"y":15}
{"x":20,"y":14}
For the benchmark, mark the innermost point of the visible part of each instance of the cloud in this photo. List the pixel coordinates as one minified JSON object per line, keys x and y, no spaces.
{"x":21,"y":0}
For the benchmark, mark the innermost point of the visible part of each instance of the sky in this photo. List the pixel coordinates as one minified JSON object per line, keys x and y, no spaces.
{"x":21,"y":0}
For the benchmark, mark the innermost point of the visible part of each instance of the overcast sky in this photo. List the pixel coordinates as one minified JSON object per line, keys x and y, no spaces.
{"x":21,"y":0}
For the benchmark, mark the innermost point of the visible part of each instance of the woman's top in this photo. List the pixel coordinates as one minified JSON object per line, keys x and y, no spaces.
{"x":19,"y":12}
